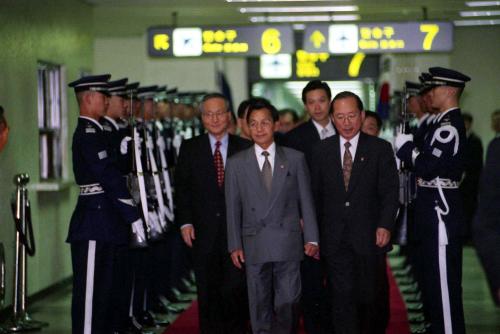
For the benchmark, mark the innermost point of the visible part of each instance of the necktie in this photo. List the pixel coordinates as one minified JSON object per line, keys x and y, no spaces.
{"x":219,"y":165}
{"x":324,"y":131}
{"x":347,"y":165}
{"x":267,"y":172}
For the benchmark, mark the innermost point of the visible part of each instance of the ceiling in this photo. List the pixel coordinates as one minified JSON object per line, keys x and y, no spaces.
{"x":133,"y":17}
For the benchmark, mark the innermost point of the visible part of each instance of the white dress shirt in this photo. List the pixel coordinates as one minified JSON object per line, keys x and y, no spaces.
{"x":354,"y":145}
{"x":261,"y":159}
{"x":324,"y":132}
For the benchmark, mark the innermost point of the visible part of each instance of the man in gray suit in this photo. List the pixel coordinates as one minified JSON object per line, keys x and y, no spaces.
{"x":267,"y":193}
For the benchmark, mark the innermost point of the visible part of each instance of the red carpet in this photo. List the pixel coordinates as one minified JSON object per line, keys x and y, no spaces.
{"x":187,"y":322}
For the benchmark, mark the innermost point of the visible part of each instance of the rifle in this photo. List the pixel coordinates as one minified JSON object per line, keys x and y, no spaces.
{"x":405,"y":179}
{"x":136,"y":181}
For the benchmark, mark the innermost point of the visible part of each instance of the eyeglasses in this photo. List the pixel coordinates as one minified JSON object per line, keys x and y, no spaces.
{"x":342,"y":117}
{"x":266,"y":124}
{"x":214,"y":114}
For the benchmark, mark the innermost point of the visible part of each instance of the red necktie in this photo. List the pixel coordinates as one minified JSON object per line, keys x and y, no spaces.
{"x":219,"y":165}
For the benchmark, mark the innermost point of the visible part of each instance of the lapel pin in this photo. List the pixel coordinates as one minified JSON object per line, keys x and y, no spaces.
{"x":362,"y":158}
{"x":281,"y":166}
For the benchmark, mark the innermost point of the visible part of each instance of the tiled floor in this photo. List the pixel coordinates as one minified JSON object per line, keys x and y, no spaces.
{"x":480,"y":313}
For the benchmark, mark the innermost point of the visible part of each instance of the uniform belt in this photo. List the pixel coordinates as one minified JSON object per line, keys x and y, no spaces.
{"x":90,"y":189}
{"x":443,"y":183}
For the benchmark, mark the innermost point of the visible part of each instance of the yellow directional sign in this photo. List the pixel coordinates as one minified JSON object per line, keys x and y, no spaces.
{"x":161,"y":42}
{"x":317,"y":38}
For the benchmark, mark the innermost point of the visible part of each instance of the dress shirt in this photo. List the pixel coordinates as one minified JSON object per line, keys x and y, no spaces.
{"x":261,"y":159}
{"x":224,"y":141}
{"x":330,"y":130}
{"x":422,"y":120}
{"x":354,"y":145}
{"x":92,"y":120}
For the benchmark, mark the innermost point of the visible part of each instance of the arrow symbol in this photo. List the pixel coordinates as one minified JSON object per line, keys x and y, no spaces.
{"x":317,"y":38}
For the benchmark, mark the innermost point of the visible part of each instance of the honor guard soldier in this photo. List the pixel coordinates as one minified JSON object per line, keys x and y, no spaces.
{"x":103,"y":216}
{"x":438,"y":167}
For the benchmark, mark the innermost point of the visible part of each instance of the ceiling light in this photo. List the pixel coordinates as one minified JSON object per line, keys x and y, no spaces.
{"x":303,"y":18}
{"x":480,"y":13}
{"x":482,"y":3}
{"x":282,"y":0}
{"x":313,"y":9}
{"x":476,"y":22}
{"x":299,"y":26}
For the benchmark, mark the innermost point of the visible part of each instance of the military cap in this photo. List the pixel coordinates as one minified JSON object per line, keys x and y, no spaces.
{"x":447,"y":77}
{"x":161,"y":93}
{"x":148,"y":92}
{"x":412,"y":88}
{"x":118,"y":87}
{"x":96,"y":83}
{"x":426,"y":82}
{"x":131,"y":89}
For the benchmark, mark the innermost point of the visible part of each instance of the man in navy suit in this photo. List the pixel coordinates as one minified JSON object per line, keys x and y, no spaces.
{"x":105,"y":212}
{"x":316,"y":97}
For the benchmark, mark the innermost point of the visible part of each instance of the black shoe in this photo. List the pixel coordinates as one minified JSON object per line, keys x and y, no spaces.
{"x":167,"y":304}
{"x":146,"y":319}
{"x":180,"y":297}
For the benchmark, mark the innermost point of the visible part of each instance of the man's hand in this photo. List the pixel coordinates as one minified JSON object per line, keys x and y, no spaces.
{"x":238,"y":258}
{"x":188,"y":234}
{"x":402,"y":139}
{"x":311,"y":249}
{"x":383,"y":236}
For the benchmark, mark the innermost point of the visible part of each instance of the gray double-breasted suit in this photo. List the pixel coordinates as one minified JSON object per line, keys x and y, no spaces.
{"x":266,"y":226}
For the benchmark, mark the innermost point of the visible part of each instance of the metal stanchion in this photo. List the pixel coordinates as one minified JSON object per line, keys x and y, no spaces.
{"x":2,"y":281}
{"x":21,"y":321}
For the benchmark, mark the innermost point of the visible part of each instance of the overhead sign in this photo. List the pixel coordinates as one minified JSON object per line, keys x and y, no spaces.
{"x":379,"y":37}
{"x":307,"y":65}
{"x":217,"y":41}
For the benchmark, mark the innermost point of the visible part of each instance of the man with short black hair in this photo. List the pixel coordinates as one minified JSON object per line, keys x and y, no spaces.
{"x":267,"y":194}
{"x":100,"y":224}
{"x":438,"y":167}
{"x":355,"y":186}
{"x":372,"y":123}
{"x":316,"y":97}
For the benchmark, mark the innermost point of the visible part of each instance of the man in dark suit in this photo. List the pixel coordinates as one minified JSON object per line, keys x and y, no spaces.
{"x":438,"y":166}
{"x":487,"y":222}
{"x":316,"y":97}
{"x":105,"y":212}
{"x":199,"y":185}
{"x":469,"y":187}
{"x":267,"y":192}
{"x":355,"y":185}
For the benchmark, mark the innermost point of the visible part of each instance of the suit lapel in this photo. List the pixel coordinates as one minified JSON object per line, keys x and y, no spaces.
{"x":360,"y":161}
{"x":279,"y":176}
{"x":336,"y":161}
{"x":209,"y":161}
{"x":254,"y":176}
{"x":313,"y":131}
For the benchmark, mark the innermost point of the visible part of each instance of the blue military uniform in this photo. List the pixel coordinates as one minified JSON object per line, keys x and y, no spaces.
{"x":438,"y":166}
{"x":100,"y":222}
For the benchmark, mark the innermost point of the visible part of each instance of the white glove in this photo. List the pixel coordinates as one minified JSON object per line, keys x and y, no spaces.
{"x":402,"y":139}
{"x":124,"y":145}
{"x":138,"y":229}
